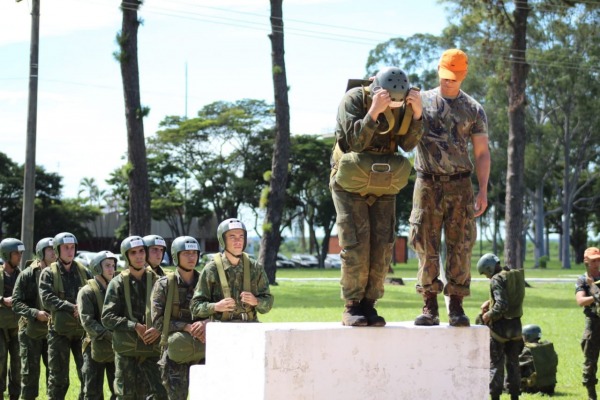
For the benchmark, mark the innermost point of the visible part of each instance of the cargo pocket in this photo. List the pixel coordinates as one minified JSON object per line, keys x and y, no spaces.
{"x":415,"y":236}
{"x":346,"y":230}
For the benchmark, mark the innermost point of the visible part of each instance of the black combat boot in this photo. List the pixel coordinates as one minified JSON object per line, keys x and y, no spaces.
{"x":514,"y":397}
{"x":431,"y":315}
{"x":368,"y":308}
{"x":353,"y":314}
{"x":495,"y":397}
{"x":591,"y":389}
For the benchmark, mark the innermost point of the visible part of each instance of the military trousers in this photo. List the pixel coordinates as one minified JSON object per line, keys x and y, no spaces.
{"x":31,"y":351}
{"x":443,"y":207}
{"x":138,"y":378}
{"x":505,"y":354}
{"x":93,"y":377}
{"x":9,"y":349}
{"x":590,"y":345}
{"x":59,"y":349}
{"x":175,"y":377}
{"x":365,"y":226}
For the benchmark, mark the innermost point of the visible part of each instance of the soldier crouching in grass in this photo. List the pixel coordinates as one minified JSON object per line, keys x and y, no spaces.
{"x":182,"y":337}
{"x":126,"y":313}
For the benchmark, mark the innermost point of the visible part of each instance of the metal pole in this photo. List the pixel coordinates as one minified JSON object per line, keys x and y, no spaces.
{"x":29,"y":175}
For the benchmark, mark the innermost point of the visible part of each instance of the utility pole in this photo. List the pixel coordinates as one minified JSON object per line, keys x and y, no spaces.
{"x":29,"y":176}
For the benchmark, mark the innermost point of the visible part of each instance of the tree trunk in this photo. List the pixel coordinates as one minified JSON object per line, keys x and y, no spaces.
{"x":539,"y":214}
{"x":271,"y":238}
{"x":139,"y":193}
{"x":516,"y":138}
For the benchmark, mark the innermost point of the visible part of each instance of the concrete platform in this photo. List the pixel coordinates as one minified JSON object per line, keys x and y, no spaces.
{"x":310,"y":361}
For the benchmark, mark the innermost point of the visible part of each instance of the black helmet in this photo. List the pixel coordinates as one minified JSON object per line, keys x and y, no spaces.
{"x":531,"y":333}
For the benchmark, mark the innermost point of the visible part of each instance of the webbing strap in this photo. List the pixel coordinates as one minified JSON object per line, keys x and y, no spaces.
{"x":99,"y":300}
{"x":59,"y":287}
{"x":125,"y":275}
{"x":223,"y":279}
{"x":171,"y":290}
{"x":2,"y":281}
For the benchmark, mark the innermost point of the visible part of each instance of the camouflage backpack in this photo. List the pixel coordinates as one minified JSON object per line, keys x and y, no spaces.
{"x":515,"y":287}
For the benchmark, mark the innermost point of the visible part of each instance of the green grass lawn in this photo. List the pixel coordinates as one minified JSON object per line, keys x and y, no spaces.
{"x":550,"y":305}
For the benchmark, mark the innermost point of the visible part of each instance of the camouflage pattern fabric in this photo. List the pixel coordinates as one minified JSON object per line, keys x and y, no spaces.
{"x":450,"y":124}
{"x":9,"y":346}
{"x":366,"y":234}
{"x":59,"y":346}
{"x":366,"y":224}
{"x":158,"y":271}
{"x":543,"y":380}
{"x":444,"y":206}
{"x":25,"y":303}
{"x":590,"y":341}
{"x":506,"y":339}
{"x":93,"y":377}
{"x":174,"y":376}
{"x":31,"y":351}
{"x":135,"y":377}
{"x":93,"y":371}
{"x":209,"y":290}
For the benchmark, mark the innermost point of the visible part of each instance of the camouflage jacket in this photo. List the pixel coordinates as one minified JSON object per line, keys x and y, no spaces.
{"x":114,"y":313}
{"x":71,"y":283}
{"x":159,"y":302}
{"x":26,"y":293}
{"x":508,"y":328}
{"x":209,"y":290}
{"x":449,"y":127}
{"x":9,"y":285}
{"x":158,"y":270}
{"x":90,"y":312}
{"x":592,"y":310}
{"x":356,"y":131}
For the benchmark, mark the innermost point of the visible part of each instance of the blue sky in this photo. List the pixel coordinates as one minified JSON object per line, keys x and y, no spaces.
{"x":81,"y":128}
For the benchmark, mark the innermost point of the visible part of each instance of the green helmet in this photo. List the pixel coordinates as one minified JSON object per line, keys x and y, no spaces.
{"x":96,"y":264}
{"x":394,"y":80}
{"x":531,"y":333}
{"x":154,"y":240}
{"x":228,"y":225}
{"x":487,"y":264}
{"x":129,"y":243}
{"x":9,"y":245}
{"x":63,"y":238}
{"x":41,"y":246}
{"x":183,"y":243}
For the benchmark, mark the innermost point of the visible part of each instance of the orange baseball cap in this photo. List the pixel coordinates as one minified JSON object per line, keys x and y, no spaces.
{"x":591,"y":253}
{"x":454,"y":65}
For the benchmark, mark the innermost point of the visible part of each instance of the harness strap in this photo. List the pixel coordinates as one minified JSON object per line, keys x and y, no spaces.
{"x":171,"y":292}
{"x":99,"y":300}
{"x":224,"y":282}
{"x":125,"y":275}
{"x":59,"y":287}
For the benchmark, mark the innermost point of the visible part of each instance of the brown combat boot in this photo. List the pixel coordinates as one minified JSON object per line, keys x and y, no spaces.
{"x":353,"y":314}
{"x":431,"y":315}
{"x":457,"y":314}
{"x":368,"y":308}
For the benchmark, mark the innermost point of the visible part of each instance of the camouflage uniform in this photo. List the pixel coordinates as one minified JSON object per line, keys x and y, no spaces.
{"x":506,"y":340}
{"x":93,"y":371}
{"x":209,"y":291}
{"x":590,"y":342}
{"x":135,"y":377}
{"x":366,"y":224}
{"x":544,"y":380}
{"x":445,"y":205}
{"x":9,"y":344}
{"x":175,"y":376}
{"x":158,"y":270}
{"x":26,"y":303}
{"x":59,"y":346}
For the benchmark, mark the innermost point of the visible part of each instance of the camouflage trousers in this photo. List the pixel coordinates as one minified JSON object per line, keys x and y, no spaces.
{"x":9,"y":346}
{"x":175,"y":377}
{"x":138,"y":378}
{"x":31,"y":351}
{"x":505,"y":355}
{"x":93,"y":377}
{"x":590,"y":345}
{"x":365,"y":228}
{"x":447,"y":207}
{"x":59,"y":349}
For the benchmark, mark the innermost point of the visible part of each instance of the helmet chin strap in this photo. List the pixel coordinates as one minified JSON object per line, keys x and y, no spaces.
{"x":185,"y":269}
{"x":236,"y":256}
{"x":64,"y":262}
